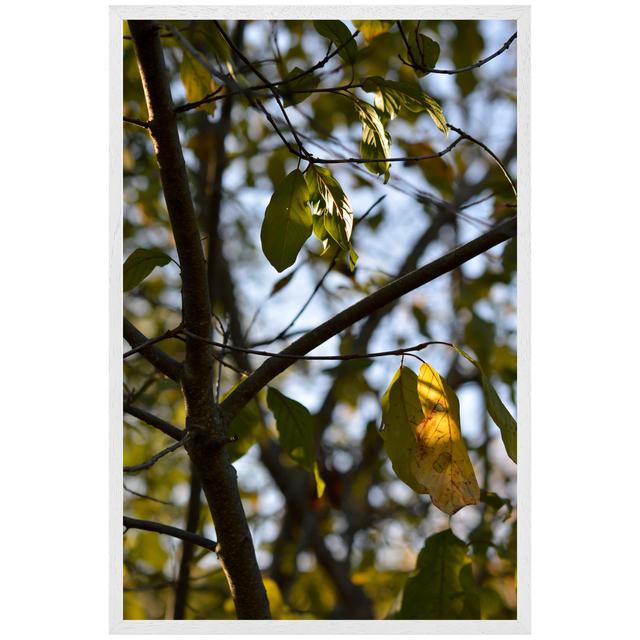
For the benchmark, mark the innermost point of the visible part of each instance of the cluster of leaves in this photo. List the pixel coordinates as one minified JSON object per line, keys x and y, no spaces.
{"x":422,"y":435}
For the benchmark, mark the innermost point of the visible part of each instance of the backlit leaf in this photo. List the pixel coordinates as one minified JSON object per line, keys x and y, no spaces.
{"x":434,"y":590}
{"x":330,"y":202}
{"x":292,"y":92}
{"x":498,"y":412}
{"x":197,"y":81}
{"x":501,"y":416}
{"x":287,"y":221}
{"x":391,"y":96}
{"x":140,"y":264}
{"x":401,"y":415}
{"x":424,"y":53}
{"x":296,"y":430}
{"x":376,"y":142}
{"x":441,"y":462}
{"x":338,"y":33}
{"x":372,"y":28}
{"x":437,"y":171}
{"x":480,"y":335}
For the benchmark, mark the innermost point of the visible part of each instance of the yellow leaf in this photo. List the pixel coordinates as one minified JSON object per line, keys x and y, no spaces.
{"x":441,"y":461}
{"x":197,"y":82}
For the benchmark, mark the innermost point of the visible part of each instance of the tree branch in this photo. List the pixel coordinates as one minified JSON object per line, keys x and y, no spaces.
{"x":147,"y":343}
{"x":165,"y":529}
{"x":247,"y":389}
{"x":191,"y":525}
{"x":167,"y":428}
{"x":158,"y":358}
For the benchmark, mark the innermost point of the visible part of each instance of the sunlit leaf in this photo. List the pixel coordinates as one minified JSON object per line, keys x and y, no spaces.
{"x":401,"y":415}
{"x":296,"y":430}
{"x":441,"y":463}
{"x":434,"y":591}
{"x":338,"y":33}
{"x":498,"y":412}
{"x":372,"y":28}
{"x":140,"y":264}
{"x":353,"y":258}
{"x":335,"y":227}
{"x":330,"y":201}
{"x":287,"y":221}
{"x":197,"y":82}
{"x":375,"y":142}
{"x":391,"y":96}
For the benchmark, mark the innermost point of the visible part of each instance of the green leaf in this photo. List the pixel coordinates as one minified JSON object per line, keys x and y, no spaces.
{"x":391,"y":96}
{"x":338,"y":33}
{"x":296,"y":430}
{"x":320,"y":232}
{"x":372,"y":28}
{"x":376,"y":142}
{"x":480,"y":335}
{"x":336,"y":229}
{"x":401,"y":414}
{"x":330,"y":201}
{"x":353,"y":258}
{"x":287,"y":221}
{"x":501,"y":416}
{"x":140,"y":264}
{"x":498,"y":412}
{"x":197,"y":82}
{"x":306,"y":82}
{"x":434,"y":590}
{"x":424,"y":52}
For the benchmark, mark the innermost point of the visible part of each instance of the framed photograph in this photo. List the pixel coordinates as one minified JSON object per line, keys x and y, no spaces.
{"x":320,"y":320}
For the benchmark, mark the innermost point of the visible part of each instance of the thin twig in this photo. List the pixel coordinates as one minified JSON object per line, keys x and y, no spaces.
{"x":146,"y":497}
{"x":139,"y":123}
{"x":156,"y":356}
{"x":475,"y":65}
{"x":170,"y":333}
{"x":225,"y":339}
{"x":369,"y":210}
{"x":149,"y":463}
{"x":272,"y":88}
{"x":309,"y":299}
{"x":268,"y":85}
{"x":464,"y":134}
{"x":348,"y":356}
{"x":324,"y":276}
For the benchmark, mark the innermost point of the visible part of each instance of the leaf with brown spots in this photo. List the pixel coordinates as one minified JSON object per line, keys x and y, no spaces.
{"x":441,"y":462}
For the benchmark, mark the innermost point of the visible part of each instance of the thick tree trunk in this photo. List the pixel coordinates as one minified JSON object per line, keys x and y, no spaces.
{"x":205,"y":447}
